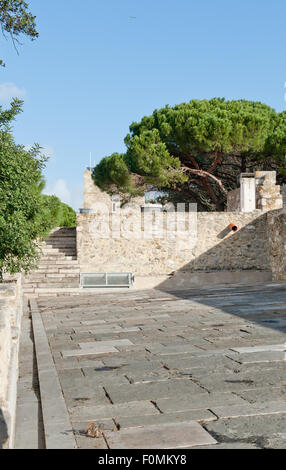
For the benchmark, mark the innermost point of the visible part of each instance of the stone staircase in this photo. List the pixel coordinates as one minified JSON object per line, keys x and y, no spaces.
{"x":58,"y":269}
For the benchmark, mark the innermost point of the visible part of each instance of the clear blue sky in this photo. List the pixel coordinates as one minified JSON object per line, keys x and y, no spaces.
{"x":94,"y":70}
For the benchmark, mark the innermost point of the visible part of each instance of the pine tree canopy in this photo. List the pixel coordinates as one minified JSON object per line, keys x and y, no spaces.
{"x":196,"y":150}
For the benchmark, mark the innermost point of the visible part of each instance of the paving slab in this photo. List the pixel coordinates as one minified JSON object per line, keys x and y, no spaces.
{"x":92,"y":350}
{"x":201,"y":416}
{"x":133,"y":408}
{"x":263,"y":347}
{"x":260,"y":356}
{"x":265,"y":394}
{"x":203,"y":400}
{"x":58,"y":431}
{"x":257,"y":430}
{"x":227,"y":446}
{"x":99,"y":344}
{"x":141,"y":359}
{"x":163,"y":436}
{"x":255,"y":409}
{"x":152,"y":390}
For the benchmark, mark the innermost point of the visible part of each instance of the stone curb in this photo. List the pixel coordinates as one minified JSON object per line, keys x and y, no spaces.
{"x":57,"y":425}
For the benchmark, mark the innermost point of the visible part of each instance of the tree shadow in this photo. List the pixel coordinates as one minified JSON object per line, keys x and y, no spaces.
{"x":64,"y":239}
{"x":242,"y":285}
{"x":4,"y":435}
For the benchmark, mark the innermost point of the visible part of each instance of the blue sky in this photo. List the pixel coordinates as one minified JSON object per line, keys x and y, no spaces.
{"x":94,"y":70}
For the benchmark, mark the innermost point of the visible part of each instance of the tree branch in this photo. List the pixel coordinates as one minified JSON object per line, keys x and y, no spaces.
{"x":205,"y":174}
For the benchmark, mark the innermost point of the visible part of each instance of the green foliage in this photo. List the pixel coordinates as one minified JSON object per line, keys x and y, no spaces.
{"x":16,"y":20}
{"x":148,"y":156}
{"x":198,"y":149}
{"x":25,"y":213}
{"x":206,"y":127}
{"x":20,"y":199}
{"x":56,"y":214}
{"x":112,"y":174}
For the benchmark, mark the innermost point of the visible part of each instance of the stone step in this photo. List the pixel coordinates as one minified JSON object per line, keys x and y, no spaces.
{"x":63,"y":233}
{"x":47,"y":264}
{"x":51,"y":285}
{"x":56,"y":269}
{"x":58,"y":262}
{"x":42,"y":292}
{"x":59,"y":246}
{"x":67,"y":273}
{"x":58,"y":251}
{"x":61,"y":278}
{"x":58,"y":258}
{"x":51,"y":276}
{"x":60,"y":241}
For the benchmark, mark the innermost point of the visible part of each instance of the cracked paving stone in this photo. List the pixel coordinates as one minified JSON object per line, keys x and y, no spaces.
{"x":258,"y":430}
{"x":139,"y":421}
{"x":249,"y":409}
{"x":133,"y":408}
{"x":199,"y":401}
{"x":163,"y":436}
{"x":265,"y":394}
{"x":152,"y":390}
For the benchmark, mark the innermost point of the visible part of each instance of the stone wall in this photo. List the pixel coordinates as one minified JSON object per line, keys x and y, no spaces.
{"x":212,"y":248}
{"x":233,"y":200}
{"x":283,"y":194}
{"x":185,"y":247}
{"x":276,"y":221}
{"x":10,"y":322}
{"x":93,"y":195}
{"x":266,"y":195}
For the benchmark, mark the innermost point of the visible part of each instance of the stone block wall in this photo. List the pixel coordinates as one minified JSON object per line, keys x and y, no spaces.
{"x":93,"y":195}
{"x":266,"y":194}
{"x":283,"y":194}
{"x":233,"y":200}
{"x":114,"y":239}
{"x":213,"y":247}
{"x":276,"y":223}
{"x":10,"y":323}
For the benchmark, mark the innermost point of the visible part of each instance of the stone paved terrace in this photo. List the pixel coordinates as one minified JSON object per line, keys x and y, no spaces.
{"x":187,"y":369}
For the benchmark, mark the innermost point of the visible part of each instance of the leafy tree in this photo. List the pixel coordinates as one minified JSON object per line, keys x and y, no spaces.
{"x":196,"y":150}
{"x":56,"y":214}
{"x":26,"y":215}
{"x":20,"y":198}
{"x":67,"y":216}
{"x":16,"y":20}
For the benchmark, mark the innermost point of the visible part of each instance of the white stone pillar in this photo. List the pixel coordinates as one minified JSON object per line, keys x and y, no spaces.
{"x":247,"y":192}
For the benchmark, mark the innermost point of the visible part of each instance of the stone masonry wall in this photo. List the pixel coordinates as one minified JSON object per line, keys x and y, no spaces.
{"x":268,"y":195}
{"x":93,"y":195}
{"x":276,"y":221}
{"x":10,"y":322}
{"x":215,"y":248}
{"x":233,"y":200}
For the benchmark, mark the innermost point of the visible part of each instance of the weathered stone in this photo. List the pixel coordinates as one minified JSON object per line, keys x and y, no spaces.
{"x":255,"y":430}
{"x":249,"y":410}
{"x":197,"y":401}
{"x":164,"y":436}
{"x":132,"y":408}
{"x":140,"y":421}
{"x":152,"y":390}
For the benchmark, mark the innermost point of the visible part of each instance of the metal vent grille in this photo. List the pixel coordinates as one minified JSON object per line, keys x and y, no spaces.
{"x":106,"y":279}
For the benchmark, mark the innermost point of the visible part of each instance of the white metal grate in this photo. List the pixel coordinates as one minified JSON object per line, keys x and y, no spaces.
{"x":106,"y":279}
